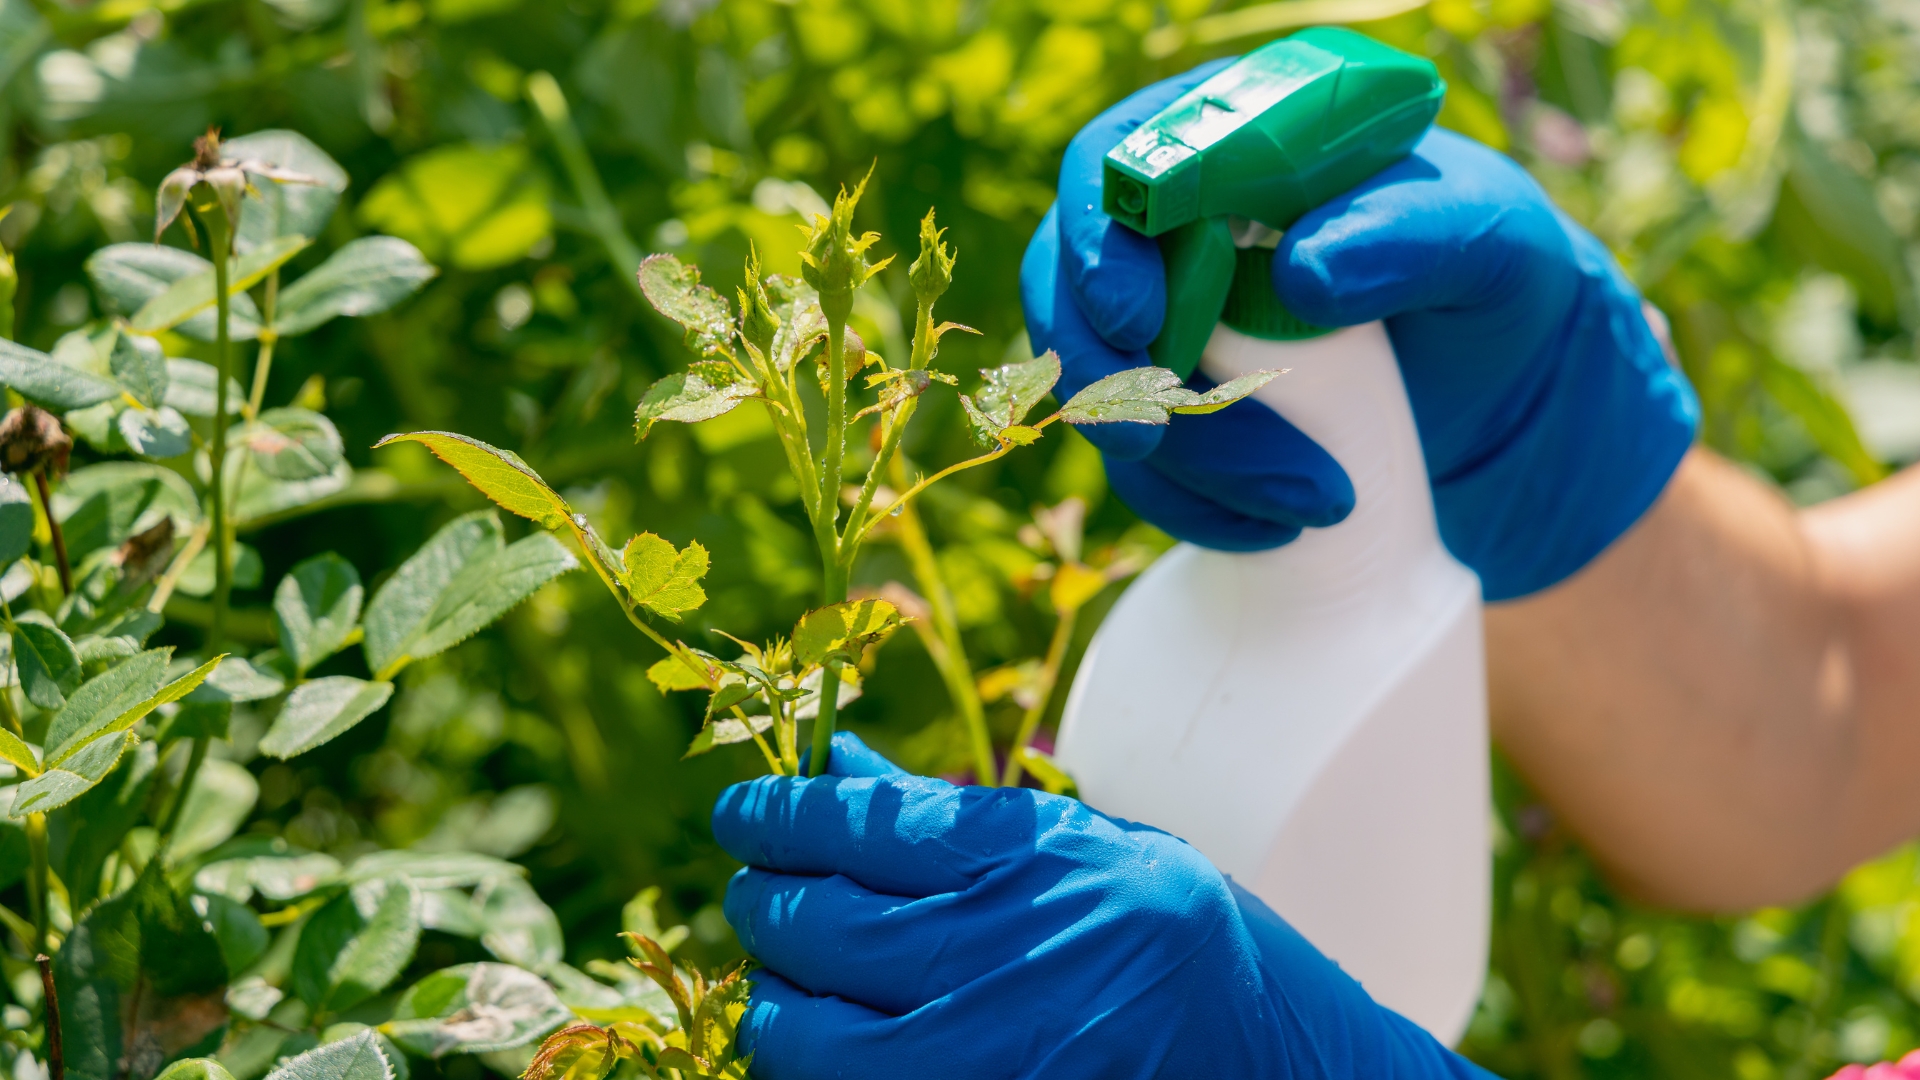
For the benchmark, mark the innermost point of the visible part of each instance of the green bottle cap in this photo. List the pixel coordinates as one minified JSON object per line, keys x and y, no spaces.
{"x":1282,"y":130}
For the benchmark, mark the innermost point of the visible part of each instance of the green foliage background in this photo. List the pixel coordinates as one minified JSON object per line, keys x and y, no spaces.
{"x":1755,"y":163}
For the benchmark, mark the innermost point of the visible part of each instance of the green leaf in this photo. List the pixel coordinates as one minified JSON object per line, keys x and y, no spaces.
{"x":316,"y":606}
{"x":140,"y":977}
{"x":1149,"y":395}
{"x":46,"y":659}
{"x":191,"y":386}
{"x":708,"y":388}
{"x":18,"y":753}
{"x":16,"y":521}
{"x":475,"y":1009}
{"x":1228,"y":392}
{"x":802,"y":324}
{"x":193,"y":294}
{"x":101,"y":699}
{"x":141,"y":367}
{"x":222,"y":796}
{"x":84,"y":833}
{"x":100,"y":506}
{"x":1012,"y":390}
{"x":470,"y":206}
{"x":45,"y":381}
{"x":129,"y":276}
{"x":674,"y":290}
{"x":356,"y":944}
{"x":292,"y":444}
{"x":840,"y":631}
{"x":160,"y":434}
{"x":365,"y":277}
{"x":75,"y":775}
{"x":279,"y":871}
{"x":237,"y":680}
{"x":109,"y":723}
{"x":665,"y":581}
{"x":673,"y":674}
{"x":518,"y":926}
{"x":275,"y":208}
{"x":488,"y":589}
{"x":433,"y":869}
{"x":260,"y":495}
{"x":401,"y":607}
{"x":195,"y":1069}
{"x":242,"y":938}
{"x":499,"y":474}
{"x":356,"y":1058}
{"x":320,"y":711}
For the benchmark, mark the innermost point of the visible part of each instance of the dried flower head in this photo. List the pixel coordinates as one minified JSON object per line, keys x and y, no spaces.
{"x":229,"y":179}
{"x":31,"y":439}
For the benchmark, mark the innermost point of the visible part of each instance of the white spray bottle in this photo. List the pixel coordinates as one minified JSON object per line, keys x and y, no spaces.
{"x":1312,"y":718}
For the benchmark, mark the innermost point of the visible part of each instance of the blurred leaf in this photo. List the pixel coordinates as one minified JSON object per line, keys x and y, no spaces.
{"x":432,"y":869}
{"x":262,"y":496}
{"x":194,"y":294}
{"x":48,"y":664}
{"x":101,"y":506}
{"x":727,"y":731}
{"x":662,"y":580}
{"x":518,"y":926}
{"x":841,"y":631}
{"x":141,"y":974}
{"x":129,"y":276}
{"x":82,"y":835}
{"x":241,"y":936}
{"x":474,"y":1009}
{"x":356,"y":1058}
{"x":141,"y":367}
{"x":403,"y":604}
{"x":222,"y":796}
{"x":45,"y":381}
{"x":365,"y":277}
{"x":356,"y":944}
{"x":1826,"y":420}
{"x":274,"y":208}
{"x":237,"y":680}
{"x":320,"y":711}
{"x":276,"y":869}
{"x":315,"y":607}
{"x":160,"y":434}
{"x":708,"y":388}
{"x":674,"y":290}
{"x":292,"y":444}
{"x":16,"y":521}
{"x":488,"y":589}
{"x":13,"y":750}
{"x":474,"y":207}
{"x":76,"y":774}
{"x":191,"y":385}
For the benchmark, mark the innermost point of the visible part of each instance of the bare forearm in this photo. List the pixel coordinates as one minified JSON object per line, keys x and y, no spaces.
{"x":1726,"y":703}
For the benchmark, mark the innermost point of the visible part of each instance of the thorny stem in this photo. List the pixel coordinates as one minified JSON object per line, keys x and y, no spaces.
{"x":264,"y":363}
{"x":1043,"y":694}
{"x":219,"y":242}
{"x":825,"y":528}
{"x":39,"y":878}
{"x":948,"y":651}
{"x":56,"y":1052}
{"x":53,"y":528}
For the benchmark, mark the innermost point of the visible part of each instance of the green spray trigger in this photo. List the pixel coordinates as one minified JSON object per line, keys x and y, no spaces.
{"x":1215,"y":174}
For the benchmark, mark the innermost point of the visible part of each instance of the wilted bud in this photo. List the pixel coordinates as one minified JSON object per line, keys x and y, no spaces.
{"x":932,"y":272}
{"x":206,"y":150}
{"x":31,"y":439}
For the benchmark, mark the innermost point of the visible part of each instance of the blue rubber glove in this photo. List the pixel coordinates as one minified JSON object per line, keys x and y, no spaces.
{"x":1549,"y":415}
{"x":913,"y":928}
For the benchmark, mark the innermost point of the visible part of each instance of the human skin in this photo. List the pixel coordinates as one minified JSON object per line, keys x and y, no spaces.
{"x":1725,"y":705}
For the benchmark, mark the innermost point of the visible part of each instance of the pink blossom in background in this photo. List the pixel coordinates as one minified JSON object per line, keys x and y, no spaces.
{"x":1907,"y":1068}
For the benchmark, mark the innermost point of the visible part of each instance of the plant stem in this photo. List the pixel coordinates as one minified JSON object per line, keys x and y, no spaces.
{"x":163,"y":592}
{"x":50,"y":998}
{"x":194,"y":761}
{"x":949,"y":651}
{"x":927,"y":482}
{"x":825,"y":528}
{"x":1049,"y":677}
{"x":53,"y":528}
{"x":264,"y":363}
{"x":551,"y":103}
{"x":39,"y":878}
{"x":219,"y":243}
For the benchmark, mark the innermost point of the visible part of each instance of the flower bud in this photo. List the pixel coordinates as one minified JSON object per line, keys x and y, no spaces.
{"x":932,"y":272}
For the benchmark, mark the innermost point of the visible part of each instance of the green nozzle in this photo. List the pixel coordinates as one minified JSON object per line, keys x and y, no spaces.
{"x":1282,"y":130}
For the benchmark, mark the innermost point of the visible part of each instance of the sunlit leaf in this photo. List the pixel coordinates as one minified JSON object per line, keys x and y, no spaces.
{"x":357,"y":943}
{"x":45,"y":381}
{"x":141,"y":368}
{"x":160,"y":434}
{"x":1150,"y":395}
{"x":673,"y":674}
{"x":18,"y":753}
{"x":58,"y":785}
{"x":120,"y":715}
{"x":708,"y":388}
{"x":85,"y":833}
{"x":433,"y":869}
{"x":1010,"y":391}
{"x":315,"y":607}
{"x":106,"y":696}
{"x":499,"y":474}
{"x":471,"y":206}
{"x":356,"y":1058}
{"x":292,"y":444}
{"x":802,"y":324}
{"x":1229,"y":392}
{"x":365,"y":277}
{"x":401,"y":607}
{"x":488,"y":589}
{"x":131,"y":275}
{"x":665,"y":581}
{"x":194,"y":294}
{"x":841,"y":631}
{"x":674,"y":290}
{"x":237,"y":680}
{"x":475,"y":1009}
{"x":195,"y":1069}
{"x":320,"y":711}
{"x":48,"y":663}
{"x":275,"y":208}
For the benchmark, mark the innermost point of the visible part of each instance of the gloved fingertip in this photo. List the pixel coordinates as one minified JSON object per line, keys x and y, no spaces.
{"x":742,"y":897}
{"x":853,"y":757}
{"x":1123,"y":442}
{"x":1118,"y":279}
